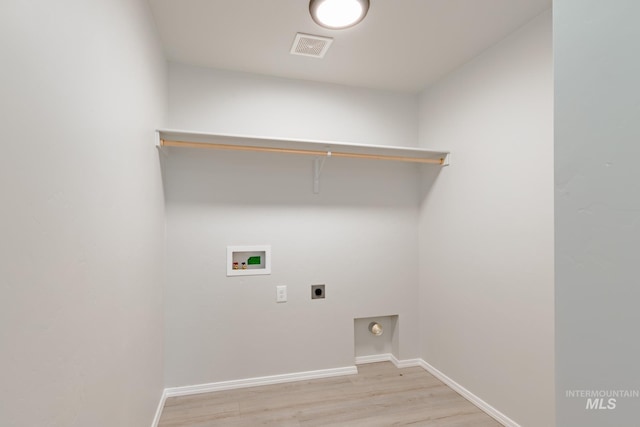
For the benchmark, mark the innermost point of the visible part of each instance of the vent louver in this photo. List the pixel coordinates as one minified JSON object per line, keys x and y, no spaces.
{"x":309,"y":45}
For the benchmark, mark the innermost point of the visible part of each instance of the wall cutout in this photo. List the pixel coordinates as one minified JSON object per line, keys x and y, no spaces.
{"x":375,"y":336}
{"x":248,"y":260}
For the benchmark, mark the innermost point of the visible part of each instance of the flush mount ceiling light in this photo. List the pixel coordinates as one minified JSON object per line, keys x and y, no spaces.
{"x":338,"y":14}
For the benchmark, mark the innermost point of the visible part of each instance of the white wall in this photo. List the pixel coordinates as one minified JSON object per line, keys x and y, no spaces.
{"x":597,"y":207}
{"x":240,"y":103}
{"x":81,"y":223}
{"x":358,"y":236}
{"x":486,"y":227}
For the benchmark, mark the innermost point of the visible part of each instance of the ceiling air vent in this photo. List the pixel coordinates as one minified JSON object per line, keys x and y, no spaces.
{"x":308,"y":45}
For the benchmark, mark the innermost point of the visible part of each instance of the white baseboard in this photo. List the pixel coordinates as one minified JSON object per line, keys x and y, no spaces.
{"x":163,"y":399}
{"x":407,"y":363}
{"x":375,"y":358}
{"x":258,"y":381}
{"x":484,"y":406}
{"x":388,"y":357}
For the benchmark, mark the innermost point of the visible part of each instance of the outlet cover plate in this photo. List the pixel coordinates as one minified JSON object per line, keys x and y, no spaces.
{"x":281,"y":294}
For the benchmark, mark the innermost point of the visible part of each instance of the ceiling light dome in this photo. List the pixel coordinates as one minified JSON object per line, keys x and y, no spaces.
{"x":338,"y":14}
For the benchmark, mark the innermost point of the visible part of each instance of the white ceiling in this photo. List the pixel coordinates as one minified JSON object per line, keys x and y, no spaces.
{"x":402,"y":45}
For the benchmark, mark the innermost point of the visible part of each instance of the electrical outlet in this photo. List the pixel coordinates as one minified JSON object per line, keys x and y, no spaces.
{"x":281,"y":294}
{"x":317,"y":291}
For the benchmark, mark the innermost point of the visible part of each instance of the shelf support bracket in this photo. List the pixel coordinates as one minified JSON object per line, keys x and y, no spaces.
{"x":318,"y":164}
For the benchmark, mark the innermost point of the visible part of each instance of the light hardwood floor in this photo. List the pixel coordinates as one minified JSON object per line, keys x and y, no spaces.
{"x":379,"y":395}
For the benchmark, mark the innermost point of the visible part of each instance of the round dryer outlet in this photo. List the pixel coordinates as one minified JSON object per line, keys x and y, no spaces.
{"x":317,"y":291}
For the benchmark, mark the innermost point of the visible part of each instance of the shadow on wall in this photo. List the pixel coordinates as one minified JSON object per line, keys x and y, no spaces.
{"x":198,"y":176}
{"x":427,"y":179}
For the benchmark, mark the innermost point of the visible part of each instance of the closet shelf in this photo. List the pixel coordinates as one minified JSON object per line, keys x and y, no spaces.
{"x":179,"y":138}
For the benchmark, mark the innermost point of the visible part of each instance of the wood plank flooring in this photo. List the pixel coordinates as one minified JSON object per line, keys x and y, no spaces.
{"x":379,"y":395}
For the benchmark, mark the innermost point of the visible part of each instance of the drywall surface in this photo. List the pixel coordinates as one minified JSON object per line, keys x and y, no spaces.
{"x":220,"y":101}
{"x":358,"y":236}
{"x":82,"y":223}
{"x":597,"y":211}
{"x":486,"y":227}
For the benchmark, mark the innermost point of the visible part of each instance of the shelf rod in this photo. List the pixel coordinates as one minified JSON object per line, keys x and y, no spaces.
{"x":168,"y":143}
